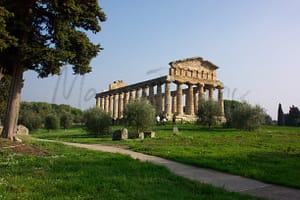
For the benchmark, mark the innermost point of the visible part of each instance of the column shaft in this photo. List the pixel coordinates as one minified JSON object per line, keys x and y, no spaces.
{"x":168,"y":100}
{"x":196,"y":102}
{"x":98,"y":102}
{"x":221,"y":100}
{"x":190,"y":100}
{"x":174,"y":104}
{"x":138,"y":93}
{"x":116,"y":109}
{"x":158,"y":100}
{"x":211,"y":93}
{"x":121,"y":105}
{"x":131,"y":97}
{"x":179,"y":99}
{"x":111,"y":105}
{"x":151,"y":95}
{"x":201,"y":94}
{"x":106,"y":106}
{"x":144,"y":92}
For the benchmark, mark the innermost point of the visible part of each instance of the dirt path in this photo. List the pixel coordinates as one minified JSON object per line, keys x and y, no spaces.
{"x":219,"y":179}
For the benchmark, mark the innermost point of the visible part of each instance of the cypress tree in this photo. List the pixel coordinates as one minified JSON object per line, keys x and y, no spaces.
{"x":280,"y":116}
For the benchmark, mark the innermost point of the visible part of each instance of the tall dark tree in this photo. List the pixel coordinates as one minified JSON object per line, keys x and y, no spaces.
{"x":293,"y":117}
{"x":49,"y":34}
{"x":280,"y":116}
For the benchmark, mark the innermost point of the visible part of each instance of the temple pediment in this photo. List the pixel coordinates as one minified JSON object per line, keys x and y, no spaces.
{"x":194,"y":70}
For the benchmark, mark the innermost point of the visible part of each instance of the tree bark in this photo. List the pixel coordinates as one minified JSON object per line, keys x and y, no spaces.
{"x":13,"y":105}
{"x":1,"y":74}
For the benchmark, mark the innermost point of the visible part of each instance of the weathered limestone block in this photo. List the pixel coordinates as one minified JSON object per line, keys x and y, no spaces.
{"x":149,"y":134}
{"x":120,"y":134}
{"x":22,"y":130}
{"x":141,"y":135}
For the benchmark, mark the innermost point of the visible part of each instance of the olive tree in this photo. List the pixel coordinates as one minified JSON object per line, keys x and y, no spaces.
{"x":140,"y":115}
{"x":247,"y":117}
{"x":97,"y":121}
{"x":209,"y":113}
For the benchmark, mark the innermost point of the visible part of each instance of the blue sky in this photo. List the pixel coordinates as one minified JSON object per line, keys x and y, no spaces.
{"x":255,"y":43}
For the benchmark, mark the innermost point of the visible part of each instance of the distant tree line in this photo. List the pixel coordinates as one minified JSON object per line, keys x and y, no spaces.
{"x":292,"y":118}
{"x":36,"y":115}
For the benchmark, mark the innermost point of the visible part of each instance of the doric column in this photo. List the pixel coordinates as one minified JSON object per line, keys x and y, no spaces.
{"x":162,"y":103}
{"x":121,"y":105}
{"x":102,"y":100}
{"x":106,"y":106}
{"x":168,"y":99}
{"x":126,"y":98}
{"x":116,"y":106}
{"x":211,"y":93}
{"x":201,"y":92}
{"x":196,"y":101}
{"x":151,"y":95}
{"x":98,"y":102}
{"x":144,"y":92}
{"x":158,"y":99}
{"x":174,"y":104}
{"x":138,"y":93}
{"x":221,"y":100}
{"x":179,"y":99}
{"x":131,"y":96}
{"x":111,"y":105}
{"x":190,"y":100}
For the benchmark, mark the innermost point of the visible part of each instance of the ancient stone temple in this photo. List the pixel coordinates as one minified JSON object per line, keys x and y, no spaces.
{"x":193,"y":79}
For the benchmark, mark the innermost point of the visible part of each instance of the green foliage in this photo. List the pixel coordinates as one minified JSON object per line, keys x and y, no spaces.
{"x":66,"y":120}
{"x":293,"y":117}
{"x":49,"y":34}
{"x":4,"y":92}
{"x":268,"y":120}
{"x":31,"y":120}
{"x":97,"y":121}
{"x":51,"y":122}
{"x":6,"y":39}
{"x":280,"y":116}
{"x":42,"y":109}
{"x":208,"y":113}
{"x":247,"y":117}
{"x":140,"y":115}
{"x":229,"y":106}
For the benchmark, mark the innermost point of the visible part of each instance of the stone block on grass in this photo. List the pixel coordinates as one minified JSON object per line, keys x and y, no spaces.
{"x":149,"y":134}
{"x":120,"y":134}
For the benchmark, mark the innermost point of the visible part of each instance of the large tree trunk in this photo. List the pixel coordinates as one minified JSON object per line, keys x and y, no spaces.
{"x":1,"y":73}
{"x":13,"y":105}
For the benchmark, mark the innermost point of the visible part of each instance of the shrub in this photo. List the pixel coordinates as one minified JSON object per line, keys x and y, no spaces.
{"x":97,"y":121}
{"x":66,"y":120}
{"x":208,"y":113}
{"x":140,"y":115}
{"x":31,"y":120}
{"x":247,"y":117}
{"x":51,"y":122}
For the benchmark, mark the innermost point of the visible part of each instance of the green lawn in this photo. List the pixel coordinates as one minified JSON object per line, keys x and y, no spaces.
{"x":271,"y":154}
{"x":63,"y":172}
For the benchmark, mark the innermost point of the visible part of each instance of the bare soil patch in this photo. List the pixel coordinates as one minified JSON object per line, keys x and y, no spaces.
{"x":22,"y":148}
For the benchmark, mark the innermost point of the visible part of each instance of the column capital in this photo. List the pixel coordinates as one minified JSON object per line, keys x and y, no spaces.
{"x":201,"y":84}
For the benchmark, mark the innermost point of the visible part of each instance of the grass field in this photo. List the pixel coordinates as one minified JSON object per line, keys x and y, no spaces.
{"x":55,"y":171}
{"x":271,"y":154}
